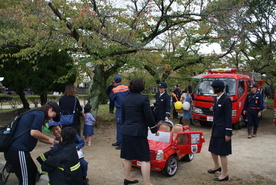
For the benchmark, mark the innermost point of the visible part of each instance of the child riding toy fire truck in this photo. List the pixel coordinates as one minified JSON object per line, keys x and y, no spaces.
{"x":173,"y":144}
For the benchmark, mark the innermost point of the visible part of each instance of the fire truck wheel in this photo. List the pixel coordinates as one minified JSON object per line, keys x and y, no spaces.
{"x":237,"y":126}
{"x":203,"y":123}
{"x":188,"y":157}
{"x":240,"y":123}
{"x":171,"y":166}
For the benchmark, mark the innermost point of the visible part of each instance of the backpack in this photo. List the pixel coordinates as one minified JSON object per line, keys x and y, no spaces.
{"x":7,"y":131}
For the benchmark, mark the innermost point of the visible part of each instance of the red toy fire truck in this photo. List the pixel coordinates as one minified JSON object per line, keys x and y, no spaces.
{"x":237,"y":88}
{"x":177,"y":143}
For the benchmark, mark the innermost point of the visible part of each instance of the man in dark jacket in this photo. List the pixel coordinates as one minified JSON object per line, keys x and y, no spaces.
{"x":162,"y":103}
{"x":176,"y":96}
{"x":62,"y":163}
{"x":253,"y":107}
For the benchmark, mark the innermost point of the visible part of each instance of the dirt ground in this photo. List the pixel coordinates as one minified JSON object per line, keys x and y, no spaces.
{"x":252,"y":162}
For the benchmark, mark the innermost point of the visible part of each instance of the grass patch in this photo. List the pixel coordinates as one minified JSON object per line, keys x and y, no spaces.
{"x":7,"y":115}
{"x":104,"y":118}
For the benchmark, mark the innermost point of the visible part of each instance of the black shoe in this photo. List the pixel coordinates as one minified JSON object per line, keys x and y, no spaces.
{"x":224,"y":179}
{"x":85,"y":181}
{"x":115,"y":144}
{"x":37,"y":178}
{"x":126,"y":182}
{"x":118,"y":148}
{"x":213,"y":171}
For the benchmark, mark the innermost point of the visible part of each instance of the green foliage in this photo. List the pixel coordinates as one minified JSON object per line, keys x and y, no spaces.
{"x":104,"y":39}
{"x":249,"y":27}
{"x":48,"y":72}
{"x":51,"y":72}
{"x":13,"y":101}
{"x":34,"y":99}
{"x":14,"y":71}
{"x":5,"y":98}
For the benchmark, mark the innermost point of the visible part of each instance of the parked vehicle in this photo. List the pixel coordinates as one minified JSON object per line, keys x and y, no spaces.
{"x":274,"y":120}
{"x":237,"y":88}
{"x":171,"y":146}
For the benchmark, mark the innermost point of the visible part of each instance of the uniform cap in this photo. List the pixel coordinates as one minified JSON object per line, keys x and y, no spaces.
{"x":52,"y":123}
{"x":254,"y":85}
{"x":217,"y":83}
{"x":118,"y":78}
{"x":177,"y":85}
{"x":162,"y":85}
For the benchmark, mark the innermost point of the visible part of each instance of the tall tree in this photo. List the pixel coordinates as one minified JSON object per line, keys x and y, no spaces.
{"x":106,"y":33}
{"x":48,"y":73}
{"x":100,"y":30}
{"x":15,"y":73}
{"x":251,"y":25}
{"x":51,"y":72}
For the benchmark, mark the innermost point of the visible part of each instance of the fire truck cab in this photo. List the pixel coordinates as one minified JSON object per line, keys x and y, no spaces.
{"x":237,"y":88}
{"x":274,"y":120}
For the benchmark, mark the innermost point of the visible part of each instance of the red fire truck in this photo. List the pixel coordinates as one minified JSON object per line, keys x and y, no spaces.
{"x":237,"y":88}
{"x":274,"y":120}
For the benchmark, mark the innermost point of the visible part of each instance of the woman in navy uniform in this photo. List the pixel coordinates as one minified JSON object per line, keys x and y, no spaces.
{"x":220,"y":142}
{"x":162,"y":103}
{"x":136,"y":118}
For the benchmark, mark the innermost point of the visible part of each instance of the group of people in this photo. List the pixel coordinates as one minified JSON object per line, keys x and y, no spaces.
{"x":134,"y":115}
{"x":64,"y":161}
{"x":183,"y":96}
{"x":136,"y":118}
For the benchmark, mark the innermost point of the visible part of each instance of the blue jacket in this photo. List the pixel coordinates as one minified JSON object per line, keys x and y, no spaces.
{"x":137,"y":116}
{"x":32,"y":120}
{"x":118,"y":93}
{"x":222,"y":123}
{"x":177,"y":92}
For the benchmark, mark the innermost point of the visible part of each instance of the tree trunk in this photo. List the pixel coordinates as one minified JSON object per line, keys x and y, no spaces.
{"x":23,"y":99}
{"x":97,"y":88}
{"x":43,"y":98}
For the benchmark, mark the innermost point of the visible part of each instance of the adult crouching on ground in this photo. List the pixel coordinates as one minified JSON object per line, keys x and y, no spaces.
{"x":136,"y":117}
{"x":18,"y":155}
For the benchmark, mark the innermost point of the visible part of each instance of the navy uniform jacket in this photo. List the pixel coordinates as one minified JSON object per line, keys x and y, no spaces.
{"x":137,"y":116}
{"x":62,"y":164}
{"x":162,"y":106}
{"x":222,"y":123}
{"x":254,"y":102}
